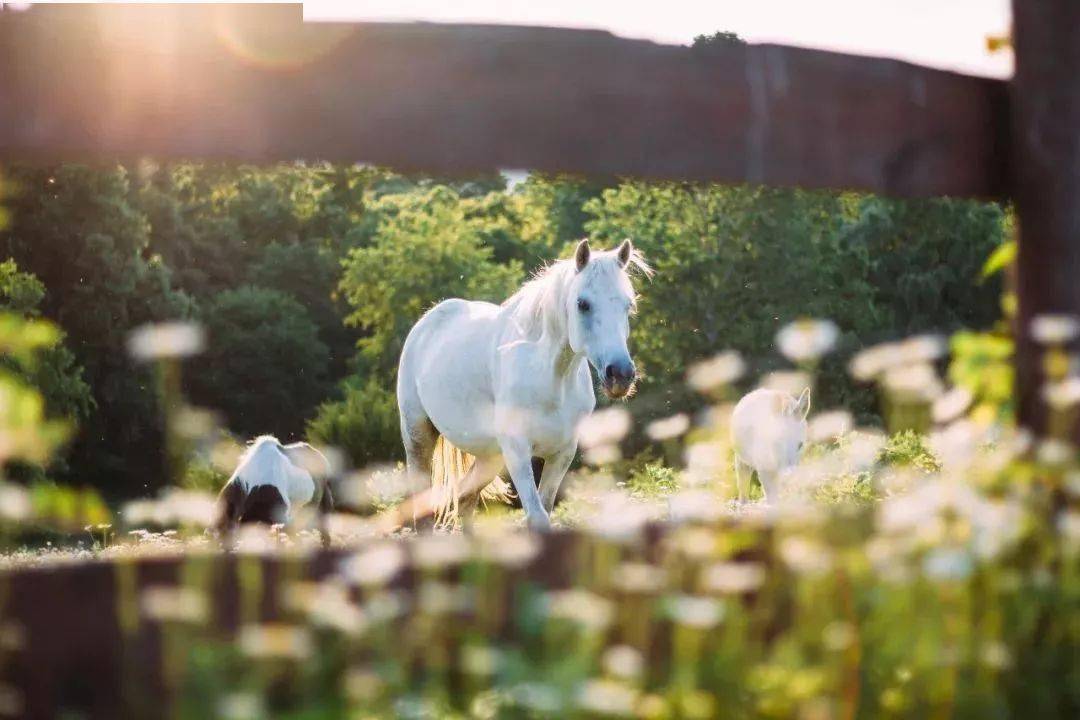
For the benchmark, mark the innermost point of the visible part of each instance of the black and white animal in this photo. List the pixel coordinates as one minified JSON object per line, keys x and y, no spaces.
{"x":272,"y":481}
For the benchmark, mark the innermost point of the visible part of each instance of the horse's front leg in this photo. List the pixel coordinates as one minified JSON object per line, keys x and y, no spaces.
{"x":518,"y":456}
{"x":551,"y":478}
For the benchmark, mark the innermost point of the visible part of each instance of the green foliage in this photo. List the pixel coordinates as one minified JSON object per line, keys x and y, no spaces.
{"x":365,"y":252}
{"x":982,"y":364}
{"x":716,"y":40}
{"x":908,"y":449}
{"x":204,"y":476}
{"x":77,"y":230}
{"x":56,"y":373}
{"x":425,"y":250}
{"x":652,"y":479}
{"x":264,"y":366}
{"x":364,"y":423}
{"x":758,"y":258}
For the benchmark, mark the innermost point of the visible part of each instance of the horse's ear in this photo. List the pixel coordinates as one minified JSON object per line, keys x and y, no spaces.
{"x":802,"y":405}
{"x":625,"y":251}
{"x":581,"y":256}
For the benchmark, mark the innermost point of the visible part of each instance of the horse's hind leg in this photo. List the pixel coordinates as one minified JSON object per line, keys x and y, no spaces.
{"x":418,"y":435}
{"x":743,"y":473}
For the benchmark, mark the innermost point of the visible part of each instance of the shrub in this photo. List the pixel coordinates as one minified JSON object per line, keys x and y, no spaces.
{"x":364,"y":424}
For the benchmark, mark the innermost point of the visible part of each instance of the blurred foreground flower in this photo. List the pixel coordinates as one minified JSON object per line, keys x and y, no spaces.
{"x":1064,"y":394}
{"x":807,"y":339}
{"x":163,"y":340}
{"x":273,"y":640}
{"x":723,"y":369}
{"x":608,"y":698}
{"x":173,"y":604}
{"x":375,"y":565}
{"x":582,"y":607}
{"x":668,"y":428}
{"x":1054,"y":329}
{"x":792,"y":382}
{"x":917,"y":382}
{"x":826,"y":426}
{"x":604,"y":427}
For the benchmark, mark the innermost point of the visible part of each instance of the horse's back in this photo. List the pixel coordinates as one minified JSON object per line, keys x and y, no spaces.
{"x":268,"y":465}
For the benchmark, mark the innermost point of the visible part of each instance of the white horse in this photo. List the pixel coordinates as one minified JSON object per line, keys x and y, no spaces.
{"x":768,"y":430}
{"x":271,"y":480}
{"x":497,"y":385}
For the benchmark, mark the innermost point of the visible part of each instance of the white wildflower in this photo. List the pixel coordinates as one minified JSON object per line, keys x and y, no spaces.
{"x":241,"y":706}
{"x":1054,"y":329}
{"x":174,"y":604}
{"x":481,"y":660}
{"x":915,"y":382}
{"x":604,"y":427}
{"x":921,"y":349}
{"x":582,"y":607}
{"x":718,"y":371}
{"x":618,"y":518}
{"x":1064,"y":394}
{"x":275,"y":640}
{"x":15,"y":505}
{"x":806,"y":556}
{"x":434,"y":552}
{"x":375,"y":566}
{"x":171,"y":339}
{"x":951,"y":405}
{"x":637,"y":578}
{"x":838,"y":635}
{"x":868,"y":364}
{"x":623,"y":661}
{"x":807,"y":339}
{"x":1055,"y":452}
{"x":694,"y":506}
{"x":862,"y":447}
{"x":512,"y":550}
{"x":792,"y":382}
{"x":608,"y":698}
{"x":734,"y":578}
{"x":668,"y":428}
{"x":693,"y":611}
{"x":600,"y":455}
{"x":826,"y":426}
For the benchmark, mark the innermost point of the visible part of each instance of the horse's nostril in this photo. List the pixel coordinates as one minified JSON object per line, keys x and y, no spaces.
{"x":609,"y":372}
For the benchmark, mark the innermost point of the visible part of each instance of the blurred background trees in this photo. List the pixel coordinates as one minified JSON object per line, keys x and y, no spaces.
{"x":308,"y":276}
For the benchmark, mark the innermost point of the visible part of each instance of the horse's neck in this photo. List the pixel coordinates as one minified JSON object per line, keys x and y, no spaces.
{"x":563,"y":361}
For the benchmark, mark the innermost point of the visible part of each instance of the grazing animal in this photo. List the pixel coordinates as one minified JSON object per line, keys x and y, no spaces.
{"x":768,"y":429}
{"x":484,"y":387}
{"x":271,"y":481}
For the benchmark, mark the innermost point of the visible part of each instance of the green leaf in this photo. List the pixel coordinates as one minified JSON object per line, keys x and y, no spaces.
{"x":1001,"y":258}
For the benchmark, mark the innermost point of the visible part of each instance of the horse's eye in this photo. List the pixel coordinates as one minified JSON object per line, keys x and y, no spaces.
{"x":583,"y":305}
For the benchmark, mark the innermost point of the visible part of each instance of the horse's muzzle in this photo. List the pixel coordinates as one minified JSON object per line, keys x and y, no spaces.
{"x":619,"y":378}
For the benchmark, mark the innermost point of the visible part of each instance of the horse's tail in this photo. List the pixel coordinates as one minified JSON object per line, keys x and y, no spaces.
{"x":449,"y":466}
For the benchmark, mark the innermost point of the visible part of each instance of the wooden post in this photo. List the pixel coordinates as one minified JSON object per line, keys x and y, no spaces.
{"x":1046,"y":177}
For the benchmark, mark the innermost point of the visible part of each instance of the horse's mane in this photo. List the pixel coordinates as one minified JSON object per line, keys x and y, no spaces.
{"x":538,"y":305}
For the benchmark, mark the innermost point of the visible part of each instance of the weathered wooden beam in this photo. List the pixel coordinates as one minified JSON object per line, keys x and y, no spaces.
{"x":1046,"y":146}
{"x":253,"y":83}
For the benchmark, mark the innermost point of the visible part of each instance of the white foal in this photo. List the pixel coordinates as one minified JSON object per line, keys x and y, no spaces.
{"x":768,"y":429}
{"x":506,"y":383}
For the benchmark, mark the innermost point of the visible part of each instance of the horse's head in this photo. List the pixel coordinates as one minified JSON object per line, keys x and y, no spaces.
{"x":598,"y":306}
{"x":793,"y":419}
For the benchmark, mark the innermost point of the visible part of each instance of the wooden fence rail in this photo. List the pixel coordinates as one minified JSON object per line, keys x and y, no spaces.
{"x":255,"y":84}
